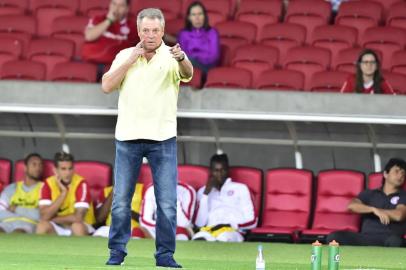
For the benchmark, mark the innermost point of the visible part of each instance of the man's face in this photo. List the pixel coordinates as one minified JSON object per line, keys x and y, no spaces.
{"x":218,"y":172}
{"x":395,"y":176}
{"x":64,"y":171}
{"x":34,"y":168}
{"x":151,"y":31}
{"x":119,"y":8}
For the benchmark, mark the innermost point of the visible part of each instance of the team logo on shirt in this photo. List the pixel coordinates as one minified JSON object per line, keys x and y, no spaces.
{"x":124,"y":30}
{"x":230,"y":193}
{"x":394,"y":200}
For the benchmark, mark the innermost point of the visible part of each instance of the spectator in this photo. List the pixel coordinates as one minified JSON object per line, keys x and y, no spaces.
{"x":19,"y":201}
{"x":106,"y":35}
{"x":103,"y":210}
{"x":383,"y":211}
{"x":186,"y":199}
{"x":65,"y":205}
{"x":225,"y":207}
{"x":368,"y":78}
{"x":200,"y":41}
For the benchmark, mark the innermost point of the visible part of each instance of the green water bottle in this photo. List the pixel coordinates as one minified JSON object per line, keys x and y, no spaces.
{"x":333,"y":255}
{"x":316,"y":256}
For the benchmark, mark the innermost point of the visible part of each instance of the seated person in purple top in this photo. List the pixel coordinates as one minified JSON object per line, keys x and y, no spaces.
{"x":200,"y":41}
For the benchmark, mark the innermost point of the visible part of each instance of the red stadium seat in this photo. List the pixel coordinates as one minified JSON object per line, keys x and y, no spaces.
{"x":346,"y":60}
{"x":308,"y":60}
{"x":360,"y":15}
{"x":19,"y":4}
{"x":91,"y":8}
{"x":23,"y":70}
{"x":310,"y":14}
{"x":174,"y":26}
{"x":387,"y":6}
{"x":287,"y":204}
{"x":193,"y":175}
{"x":19,"y":167}
{"x":386,"y":40}
{"x":11,"y":49}
{"x":171,"y":9}
{"x":145,"y":176}
{"x":397,"y":15}
{"x":50,"y":51}
{"x":283,"y":36}
{"x":37,"y":4}
{"x":234,"y":34}
{"x":70,"y":28}
{"x":251,"y":177}
{"x":46,"y":17}
{"x":256,"y":58}
{"x":375,"y":180}
{"x":335,"y":189}
{"x":260,"y":13}
{"x":5,"y":172}
{"x":280,"y":80}
{"x":18,"y":27}
{"x":397,"y":81}
{"x":74,"y":72}
{"x":196,"y":81}
{"x":97,"y":175}
{"x":398,"y":63}
{"x":229,"y":77}
{"x":328,"y":81}
{"x":13,"y":7}
{"x":335,"y":38}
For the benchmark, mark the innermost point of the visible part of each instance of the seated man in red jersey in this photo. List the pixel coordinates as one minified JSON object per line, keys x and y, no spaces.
{"x":106,"y":35}
{"x":65,"y":204}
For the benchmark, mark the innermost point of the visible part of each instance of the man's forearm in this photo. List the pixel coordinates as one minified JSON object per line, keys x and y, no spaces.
{"x":112,"y":80}
{"x":186,"y":68}
{"x":360,"y":208}
{"x":94,"y":32}
{"x":48,"y":212}
{"x":395,"y":214}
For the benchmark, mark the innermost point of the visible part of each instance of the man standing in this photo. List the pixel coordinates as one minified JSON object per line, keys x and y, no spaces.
{"x":147,"y":77}
{"x":19,"y":201}
{"x":106,"y":35}
{"x":383,"y":211}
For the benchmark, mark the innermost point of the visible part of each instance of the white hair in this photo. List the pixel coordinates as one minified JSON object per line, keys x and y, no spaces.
{"x":151,"y":13}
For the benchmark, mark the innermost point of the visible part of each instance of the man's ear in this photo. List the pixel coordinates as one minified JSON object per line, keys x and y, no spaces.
{"x":385,"y":174}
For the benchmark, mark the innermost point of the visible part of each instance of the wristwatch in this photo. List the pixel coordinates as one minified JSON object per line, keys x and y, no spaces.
{"x":183,"y":58}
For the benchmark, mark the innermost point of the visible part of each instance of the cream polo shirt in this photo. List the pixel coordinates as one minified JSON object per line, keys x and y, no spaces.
{"x":147,"y":104}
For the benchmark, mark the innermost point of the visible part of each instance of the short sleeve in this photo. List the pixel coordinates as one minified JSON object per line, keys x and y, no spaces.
{"x":100,"y":199}
{"x":402,"y":199}
{"x":46,"y":195}
{"x":365,"y":196}
{"x":82,"y":196}
{"x":5,"y":197}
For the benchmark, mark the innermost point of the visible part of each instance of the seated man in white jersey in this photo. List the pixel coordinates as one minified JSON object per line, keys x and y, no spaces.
{"x":185,"y":208}
{"x":19,"y":201}
{"x":225,"y":208}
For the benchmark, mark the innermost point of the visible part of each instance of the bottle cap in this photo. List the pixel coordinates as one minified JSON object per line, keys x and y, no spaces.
{"x":259,"y":247}
{"x":334,"y":243}
{"x":317,"y":243}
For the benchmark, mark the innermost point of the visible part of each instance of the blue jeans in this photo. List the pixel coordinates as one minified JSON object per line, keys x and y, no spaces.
{"x":162,"y":157}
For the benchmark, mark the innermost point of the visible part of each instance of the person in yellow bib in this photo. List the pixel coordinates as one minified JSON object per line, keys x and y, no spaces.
{"x":19,"y":201}
{"x":65,"y":205}
{"x":103,"y":210}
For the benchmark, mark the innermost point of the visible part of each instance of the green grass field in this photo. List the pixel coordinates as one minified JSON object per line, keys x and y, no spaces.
{"x":30,"y":252}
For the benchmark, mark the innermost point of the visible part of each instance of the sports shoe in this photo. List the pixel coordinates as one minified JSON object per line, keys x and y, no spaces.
{"x":168,"y":262}
{"x":116,"y":257}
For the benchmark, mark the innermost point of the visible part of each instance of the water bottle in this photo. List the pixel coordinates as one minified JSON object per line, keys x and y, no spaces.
{"x":260,"y":262}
